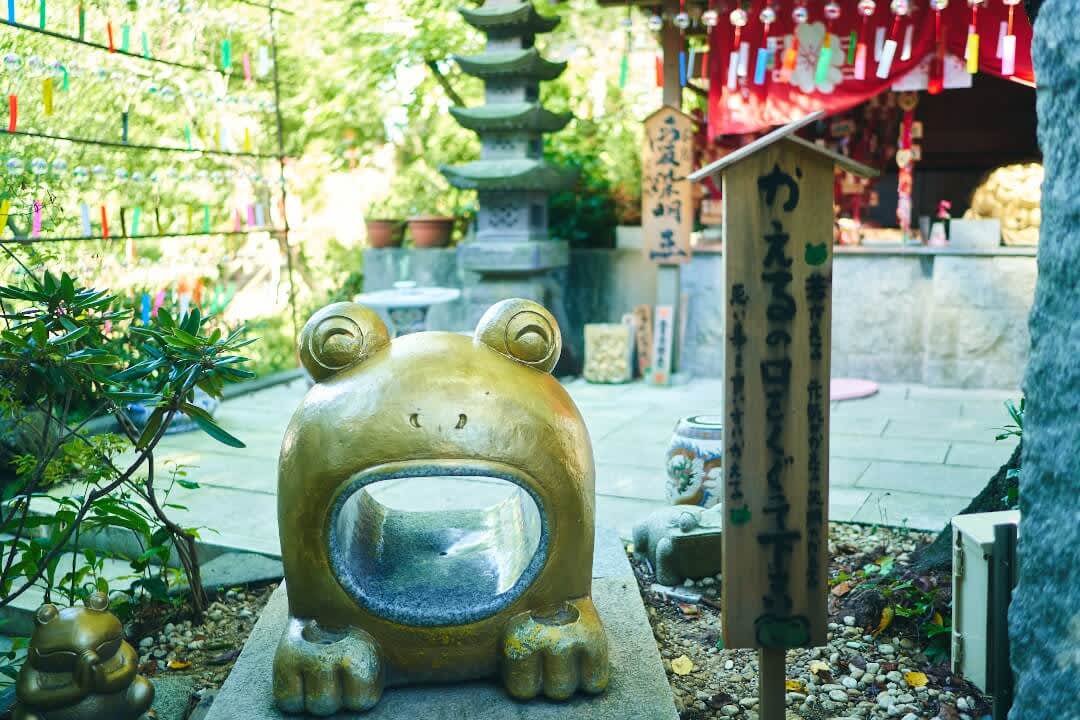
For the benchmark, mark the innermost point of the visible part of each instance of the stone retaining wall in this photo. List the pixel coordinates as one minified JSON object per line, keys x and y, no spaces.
{"x":937,"y":319}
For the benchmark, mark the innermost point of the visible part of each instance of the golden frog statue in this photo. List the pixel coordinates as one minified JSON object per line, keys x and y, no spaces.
{"x":79,"y":667}
{"x":380,"y":596}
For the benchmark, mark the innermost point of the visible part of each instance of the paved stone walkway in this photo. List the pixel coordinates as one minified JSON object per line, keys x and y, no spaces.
{"x":910,"y":455}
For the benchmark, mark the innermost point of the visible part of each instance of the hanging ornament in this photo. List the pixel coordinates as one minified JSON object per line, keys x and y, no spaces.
{"x":14,"y":166}
{"x":821,"y":74}
{"x":799,"y":15}
{"x":39,"y":166}
{"x":971,"y":49}
{"x":1008,"y":45}
{"x":655,"y":23}
{"x":710,"y":18}
{"x":682,"y":21}
{"x":936,"y":81}
{"x":59,"y":166}
{"x":80,"y":174}
{"x":738,"y":19}
{"x":899,"y":8}
{"x":767,"y":16}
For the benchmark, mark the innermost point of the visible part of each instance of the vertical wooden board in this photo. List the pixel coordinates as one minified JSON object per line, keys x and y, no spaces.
{"x":662,"y":345}
{"x":643,"y":321}
{"x":778,"y":275}
{"x":667,"y":198}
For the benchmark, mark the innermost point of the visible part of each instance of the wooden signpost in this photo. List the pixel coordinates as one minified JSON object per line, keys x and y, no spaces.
{"x":778,"y":237}
{"x":667,"y":199}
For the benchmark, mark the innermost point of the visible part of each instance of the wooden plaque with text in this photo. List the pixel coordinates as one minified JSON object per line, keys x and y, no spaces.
{"x":667,"y":199}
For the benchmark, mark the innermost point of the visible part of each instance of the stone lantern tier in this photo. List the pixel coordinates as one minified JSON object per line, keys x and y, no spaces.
{"x":511,"y":253}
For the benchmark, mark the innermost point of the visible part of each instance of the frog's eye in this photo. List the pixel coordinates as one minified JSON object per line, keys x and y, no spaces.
{"x":522,"y":330}
{"x":340,"y":336}
{"x":98,"y":601}
{"x":46,"y":614}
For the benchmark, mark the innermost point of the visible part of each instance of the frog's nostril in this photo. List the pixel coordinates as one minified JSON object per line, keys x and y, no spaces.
{"x":461,"y":420}
{"x":414,"y":420}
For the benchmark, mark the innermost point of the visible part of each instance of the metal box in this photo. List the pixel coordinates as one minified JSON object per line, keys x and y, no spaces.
{"x":973,"y":544}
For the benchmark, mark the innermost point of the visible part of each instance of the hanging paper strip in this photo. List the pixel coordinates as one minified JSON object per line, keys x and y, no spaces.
{"x":246,"y":61}
{"x":1008,"y":44}
{"x":159,"y":300}
{"x":41,"y":14}
{"x":263,"y":67}
{"x":144,"y":314}
{"x":13,"y":113}
{"x":251,"y":215}
{"x":624,"y":70}
{"x":905,"y":51}
{"x":84,"y":213}
{"x":853,"y":41}
{"x":1002,"y":31}
{"x":64,"y":82}
{"x":82,"y":22}
{"x":5,"y":210}
{"x":124,"y":126}
{"x":888,"y":50}
{"x":36,"y":228}
{"x":11,"y":11}
{"x":187,"y":136}
{"x":260,"y":215}
{"x":136,"y":215}
{"x":145,"y":45}
{"x":124,"y":228}
{"x":761,"y":65}
{"x":104,"y":223}
{"x":125,"y":38}
{"x":47,"y":95}
{"x":108,"y":28}
{"x":238,"y":223}
{"x":682,"y":69}
{"x":659,"y":72}
{"x":247,"y":140}
{"x":226,"y":55}
{"x":821,"y":74}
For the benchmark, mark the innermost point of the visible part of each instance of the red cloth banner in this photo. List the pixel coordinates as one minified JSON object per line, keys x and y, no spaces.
{"x":751,"y":107}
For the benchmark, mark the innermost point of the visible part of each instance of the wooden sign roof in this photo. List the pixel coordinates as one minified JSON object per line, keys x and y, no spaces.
{"x":787,"y":133}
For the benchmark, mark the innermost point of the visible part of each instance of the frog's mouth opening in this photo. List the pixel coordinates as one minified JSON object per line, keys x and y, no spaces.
{"x":437,"y":542}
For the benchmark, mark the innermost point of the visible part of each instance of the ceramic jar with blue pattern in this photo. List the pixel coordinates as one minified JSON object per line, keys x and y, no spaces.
{"x":695,"y":473}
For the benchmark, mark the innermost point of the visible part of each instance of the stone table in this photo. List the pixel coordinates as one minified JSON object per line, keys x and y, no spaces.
{"x":407,"y":305}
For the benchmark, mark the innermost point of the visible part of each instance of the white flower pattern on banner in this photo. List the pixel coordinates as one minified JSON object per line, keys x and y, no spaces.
{"x":811,"y":38}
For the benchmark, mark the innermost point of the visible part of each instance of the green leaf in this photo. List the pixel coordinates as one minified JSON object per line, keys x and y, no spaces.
{"x":67,"y":287}
{"x":187,"y":484}
{"x":211,"y":428}
{"x":131,"y":396}
{"x":70,"y":336}
{"x":153,"y":423}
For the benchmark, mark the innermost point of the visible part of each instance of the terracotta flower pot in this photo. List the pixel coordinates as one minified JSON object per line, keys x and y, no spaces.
{"x":384,"y":233}
{"x":430,"y":231}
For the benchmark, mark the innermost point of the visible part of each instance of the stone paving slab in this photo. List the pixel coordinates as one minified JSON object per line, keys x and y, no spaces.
{"x":639,"y":687}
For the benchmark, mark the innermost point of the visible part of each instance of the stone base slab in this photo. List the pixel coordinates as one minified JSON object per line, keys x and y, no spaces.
{"x":639,"y":687}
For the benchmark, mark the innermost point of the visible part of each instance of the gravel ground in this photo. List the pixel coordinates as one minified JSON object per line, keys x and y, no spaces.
{"x":172,"y":645}
{"x":860,"y":673}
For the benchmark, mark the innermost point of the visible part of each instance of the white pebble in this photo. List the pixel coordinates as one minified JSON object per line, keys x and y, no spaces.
{"x":730,"y":710}
{"x":873,"y":667}
{"x":849,"y":620}
{"x":849,"y":682}
{"x":886,"y":649}
{"x":838,"y":695}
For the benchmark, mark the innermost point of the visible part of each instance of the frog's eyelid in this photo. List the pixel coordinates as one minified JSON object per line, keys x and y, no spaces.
{"x":106,"y":642}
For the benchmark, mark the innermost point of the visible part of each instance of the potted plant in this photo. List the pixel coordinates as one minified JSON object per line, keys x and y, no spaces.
{"x":385,"y":228}
{"x":435,"y":210}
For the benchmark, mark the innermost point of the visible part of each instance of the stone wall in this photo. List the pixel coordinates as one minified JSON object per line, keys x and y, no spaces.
{"x":904,"y":316}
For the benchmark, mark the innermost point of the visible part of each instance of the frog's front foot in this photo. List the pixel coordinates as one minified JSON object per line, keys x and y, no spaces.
{"x":556,"y":651}
{"x":322,"y":671}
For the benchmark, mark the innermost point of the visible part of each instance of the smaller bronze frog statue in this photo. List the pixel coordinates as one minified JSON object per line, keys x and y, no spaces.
{"x":79,"y":667}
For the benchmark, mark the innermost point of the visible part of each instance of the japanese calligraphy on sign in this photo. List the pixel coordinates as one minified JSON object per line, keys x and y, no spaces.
{"x":662,"y":345}
{"x":667,"y":204}
{"x":778,"y":265}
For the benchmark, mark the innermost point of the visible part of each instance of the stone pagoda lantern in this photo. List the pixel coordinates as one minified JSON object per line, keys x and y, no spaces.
{"x":512,"y":254}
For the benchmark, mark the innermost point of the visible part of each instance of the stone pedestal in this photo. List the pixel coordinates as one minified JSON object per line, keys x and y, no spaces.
{"x":639,"y":687}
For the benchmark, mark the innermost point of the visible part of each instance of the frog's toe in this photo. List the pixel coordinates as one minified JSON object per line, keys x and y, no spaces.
{"x":555,"y":651}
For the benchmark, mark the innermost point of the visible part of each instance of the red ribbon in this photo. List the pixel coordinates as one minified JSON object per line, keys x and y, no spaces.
{"x":104,"y":223}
